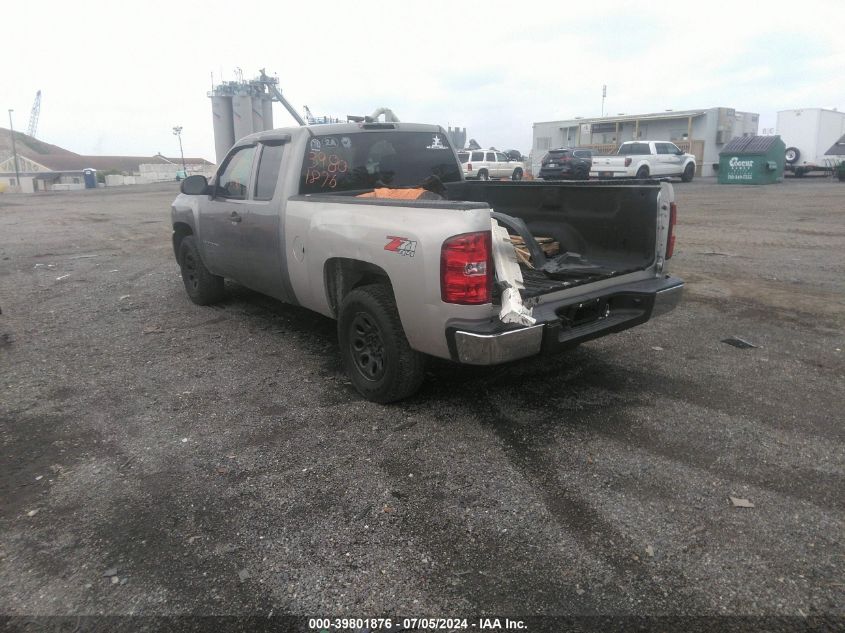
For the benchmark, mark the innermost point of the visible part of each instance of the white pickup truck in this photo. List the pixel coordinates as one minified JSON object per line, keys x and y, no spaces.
{"x":373,"y":224}
{"x":645,"y":159}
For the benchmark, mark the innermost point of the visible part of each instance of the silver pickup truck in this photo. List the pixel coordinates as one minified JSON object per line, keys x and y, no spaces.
{"x":373,"y":224}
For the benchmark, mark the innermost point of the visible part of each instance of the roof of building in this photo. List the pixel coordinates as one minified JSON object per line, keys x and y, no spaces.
{"x":837,"y":149}
{"x":671,"y":114}
{"x":75,"y":162}
{"x":57,"y":158}
{"x":745,"y":145}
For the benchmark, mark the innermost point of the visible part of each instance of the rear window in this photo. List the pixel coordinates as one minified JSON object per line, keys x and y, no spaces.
{"x":556,"y":155}
{"x":349,"y":162}
{"x":463,"y":156}
{"x":583,"y":153}
{"x":634,"y":148}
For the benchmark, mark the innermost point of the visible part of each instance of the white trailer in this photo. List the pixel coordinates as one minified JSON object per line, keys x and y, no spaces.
{"x":808,"y":134}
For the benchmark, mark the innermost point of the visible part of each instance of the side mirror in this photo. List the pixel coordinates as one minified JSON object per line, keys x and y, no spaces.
{"x":195,"y":185}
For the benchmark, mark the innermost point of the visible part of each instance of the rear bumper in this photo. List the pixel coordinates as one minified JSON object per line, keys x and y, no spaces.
{"x":566,"y":323}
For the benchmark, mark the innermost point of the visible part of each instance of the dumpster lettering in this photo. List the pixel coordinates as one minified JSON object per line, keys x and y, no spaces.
{"x":740,"y":169}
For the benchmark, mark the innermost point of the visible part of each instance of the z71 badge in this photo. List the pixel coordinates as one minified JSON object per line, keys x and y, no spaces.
{"x":401,"y":245}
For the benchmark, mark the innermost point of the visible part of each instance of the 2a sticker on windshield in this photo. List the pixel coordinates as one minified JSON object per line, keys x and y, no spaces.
{"x":401,"y":245}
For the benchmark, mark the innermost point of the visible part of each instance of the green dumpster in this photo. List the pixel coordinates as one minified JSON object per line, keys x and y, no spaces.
{"x":752,"y":160}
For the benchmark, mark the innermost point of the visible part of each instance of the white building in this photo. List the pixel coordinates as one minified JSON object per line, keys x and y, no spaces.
{"x":45,"y":172}
{"x":700,"y":132}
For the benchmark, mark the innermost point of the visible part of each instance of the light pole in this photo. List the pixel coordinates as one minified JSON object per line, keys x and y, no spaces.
{"x":177,"y":130}
{"x":14,"y":152}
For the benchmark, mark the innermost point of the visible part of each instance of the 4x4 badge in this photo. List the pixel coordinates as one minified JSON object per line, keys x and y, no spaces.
{"x":401,"y":245}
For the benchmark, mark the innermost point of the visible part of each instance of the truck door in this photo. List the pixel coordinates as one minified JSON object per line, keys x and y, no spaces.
{"x":667,"y":162}
{"x":262,"y":228}
{"x":221,"y":217}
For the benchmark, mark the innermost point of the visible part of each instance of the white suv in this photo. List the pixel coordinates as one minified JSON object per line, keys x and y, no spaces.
{"x":484,"y":164}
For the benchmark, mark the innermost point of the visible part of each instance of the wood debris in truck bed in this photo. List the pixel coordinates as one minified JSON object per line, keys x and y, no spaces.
{"x":548,"y":244}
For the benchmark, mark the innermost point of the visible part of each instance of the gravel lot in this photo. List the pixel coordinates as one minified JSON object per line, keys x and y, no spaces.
{"x":216,"y":460}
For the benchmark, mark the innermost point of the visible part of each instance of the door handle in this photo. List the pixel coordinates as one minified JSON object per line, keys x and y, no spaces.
{"x":235,"y":217}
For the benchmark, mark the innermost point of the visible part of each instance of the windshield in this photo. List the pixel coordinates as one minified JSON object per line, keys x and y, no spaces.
{"x":343,"y":162}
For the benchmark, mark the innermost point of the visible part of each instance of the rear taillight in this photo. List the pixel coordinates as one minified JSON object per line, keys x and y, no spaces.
{"x":627,"y":161}
{"x":466,"y":269}
{"x":469,"y":166}
{"x":670,"y":239}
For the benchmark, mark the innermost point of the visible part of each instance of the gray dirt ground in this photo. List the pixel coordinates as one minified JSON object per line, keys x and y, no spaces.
{"x":220,"y":461}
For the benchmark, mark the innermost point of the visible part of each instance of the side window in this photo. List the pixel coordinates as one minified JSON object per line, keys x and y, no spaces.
{"x":501,"y":158}
{"x":478,"y":156}
{"x":268,"y":171}
{"x":672,"y":148}
{"x":233,"y":182}
{"x":491,"y":157}
{"x":662,"y":148}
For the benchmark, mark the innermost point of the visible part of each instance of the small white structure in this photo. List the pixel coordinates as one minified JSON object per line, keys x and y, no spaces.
{"x":810,"y":134}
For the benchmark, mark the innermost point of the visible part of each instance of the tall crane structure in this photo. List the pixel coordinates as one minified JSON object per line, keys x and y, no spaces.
{"x":33,"y":115}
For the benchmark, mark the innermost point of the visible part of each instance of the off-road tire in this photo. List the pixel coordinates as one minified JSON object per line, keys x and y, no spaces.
{"x":642,"y":173}
{"x":689,"y":173}
{"x":202,"y":287}
{"x":376,"y":355}
{"x":517,"y":174}
{"x":483,"y":175}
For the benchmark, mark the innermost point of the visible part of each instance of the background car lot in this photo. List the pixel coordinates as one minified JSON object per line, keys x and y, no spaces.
{"x":216,"y":460}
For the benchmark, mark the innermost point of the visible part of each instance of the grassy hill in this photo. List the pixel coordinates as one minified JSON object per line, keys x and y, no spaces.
{"x":29,"y":146}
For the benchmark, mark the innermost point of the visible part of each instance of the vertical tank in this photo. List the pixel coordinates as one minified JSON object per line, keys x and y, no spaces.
{"x":242,"y":114}
{"x":257,"y":114}
{"x":267,"y":106}
{"x":224,"y":127}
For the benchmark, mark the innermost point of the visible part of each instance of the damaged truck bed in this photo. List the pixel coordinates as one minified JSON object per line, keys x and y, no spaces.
{"x":581,"y":259}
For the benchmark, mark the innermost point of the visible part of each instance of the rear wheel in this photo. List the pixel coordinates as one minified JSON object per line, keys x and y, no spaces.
{"x":582,"y":174}
{"x":203,"y":288}
{"x":689,"y":173}
{"x":517,"y":174}
{"x":377,"y":357}
{"x":483,"y":175}
{"x":642,"y":173}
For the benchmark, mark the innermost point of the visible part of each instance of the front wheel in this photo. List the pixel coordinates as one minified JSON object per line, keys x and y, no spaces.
{"x":689,"y":173}
{"x":376,"y":355}
{"x":202,"y":286}
{"x":517,"y":174}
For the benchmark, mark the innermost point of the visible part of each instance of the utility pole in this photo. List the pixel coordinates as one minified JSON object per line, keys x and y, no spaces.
{"x":603,"y":96}
{"x":14,"y":152}
{"x":177,"y":130}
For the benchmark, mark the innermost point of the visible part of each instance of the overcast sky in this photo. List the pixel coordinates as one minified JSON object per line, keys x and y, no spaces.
{"x":116,"y":77}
